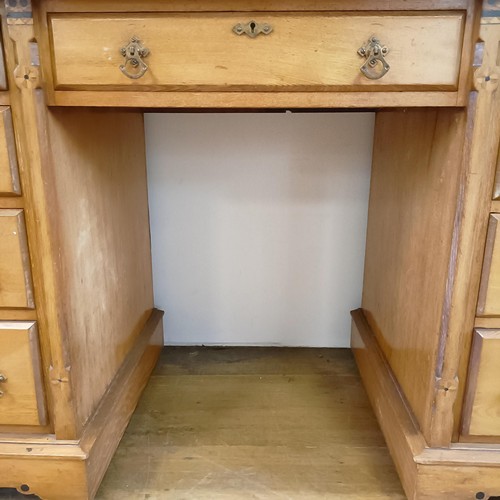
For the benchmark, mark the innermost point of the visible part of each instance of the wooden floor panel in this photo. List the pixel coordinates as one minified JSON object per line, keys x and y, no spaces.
{"x":253,"y":423}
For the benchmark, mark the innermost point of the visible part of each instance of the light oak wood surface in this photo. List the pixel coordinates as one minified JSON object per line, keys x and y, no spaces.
{"x":84,"y":198}
{"x":101,"y":222}
{"x":303,"y":52}
{"x":457,"y":471}
{"x":481,"y":408}
{"x":22,"y":399}
{"x":489,"y":293}
{"x":410,"y":223}
{"x":9,"y":174}
{"x":16,"y":289}
{"x":241,"y":423}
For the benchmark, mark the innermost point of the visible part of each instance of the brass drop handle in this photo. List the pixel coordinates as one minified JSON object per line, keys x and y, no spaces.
{"x":3,"y":378}
{"x":252,"y":29}
{"x":134,"y":53}
{"x":375,"y":66}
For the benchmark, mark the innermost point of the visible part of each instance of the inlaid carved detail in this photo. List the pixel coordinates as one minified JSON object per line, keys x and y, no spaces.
{"x":19,"y":11}
{"x":27,"y":77}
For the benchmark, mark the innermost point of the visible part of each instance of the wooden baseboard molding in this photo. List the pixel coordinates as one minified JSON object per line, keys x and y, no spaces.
{"x":73,"y":470}
{"x":459,"y":472}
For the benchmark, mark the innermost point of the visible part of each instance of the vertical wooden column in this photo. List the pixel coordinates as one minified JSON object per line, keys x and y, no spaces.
{"x":29,"y":117}
{"x":474,"y":201}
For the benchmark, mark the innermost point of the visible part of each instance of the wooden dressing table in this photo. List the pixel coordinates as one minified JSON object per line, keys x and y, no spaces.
{"x":79,"y":335}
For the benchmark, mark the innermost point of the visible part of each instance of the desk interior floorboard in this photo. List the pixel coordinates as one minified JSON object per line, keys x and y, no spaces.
{"x":253,"y":423}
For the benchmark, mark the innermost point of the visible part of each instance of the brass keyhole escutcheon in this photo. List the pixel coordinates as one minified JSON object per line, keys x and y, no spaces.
{"x":252,"y":29}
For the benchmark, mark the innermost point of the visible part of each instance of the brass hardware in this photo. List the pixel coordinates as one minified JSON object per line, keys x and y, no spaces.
{"x":252,"y":29}
{"x":133,"y":53}
{"x":375,"y":66}
{"x":3,"y":378}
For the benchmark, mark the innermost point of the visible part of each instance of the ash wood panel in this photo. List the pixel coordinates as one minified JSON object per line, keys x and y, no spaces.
{"x":403,"y":438}
{"x":104,"y":432}
{"x":100,"y":213}
{"x":16,"y":289}
{"x":254,"y":100}
{"x":496,"y":190}
{"x":481,"y":408}
{"x":43,"y":477}
{"x":3,"y":77}
{"x":9,"y":174}
{"x":415,"y":178}
{"x":480,"y":156}
{"x":23,"y":401}
{"x":29,"y":115}
{"x":304,"y":51}
{"x":457,"y":472}
{"x":489,"y":292}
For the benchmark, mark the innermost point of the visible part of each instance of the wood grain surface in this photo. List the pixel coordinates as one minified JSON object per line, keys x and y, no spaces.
{"x":242,"y":423}
{"x":9,"y":174}
{"x":16,"y":288}
{"x":303,"y":52}
{"x":23,"y":400}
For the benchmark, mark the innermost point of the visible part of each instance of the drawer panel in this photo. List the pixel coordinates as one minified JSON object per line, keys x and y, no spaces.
{"x":482,"y":402}
{"x":304,"y":51}
{"x":489,"y":292}
{"x":3,"y":77}
{"x":496,"y":189}
{"x":22,"y":397}
{"x":9,"y":174}
{"x":16,"y":289}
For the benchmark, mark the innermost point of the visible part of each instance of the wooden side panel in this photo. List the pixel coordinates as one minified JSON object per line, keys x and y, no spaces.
{"x":100,"y":214}
{"x":481,"y":415}
{"x":402,"y":436}
{"x":22,"y":400}
{"x":304,"y":50}
{"x":9,"y":174}
{"x":415,"y":178}
{"x":16,"y":288}
{"x":489,"y":292}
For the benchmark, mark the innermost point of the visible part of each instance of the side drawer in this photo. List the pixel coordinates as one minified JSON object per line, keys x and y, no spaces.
{"x":299,"y":51}
{"x":16,"y":289}
{"x":489,"y":291}
{"x":9,"y":174}
{"x":481,"y":415}
{"x":22,"y":399}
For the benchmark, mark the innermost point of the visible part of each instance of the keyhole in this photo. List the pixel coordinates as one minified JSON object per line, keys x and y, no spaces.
{"x":252,"y":26}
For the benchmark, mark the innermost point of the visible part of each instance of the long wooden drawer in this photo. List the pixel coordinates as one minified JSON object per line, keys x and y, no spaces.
{"x":489,"y":292}
{"x":9,"y":174}
{"x":16,"y":289}
{"x":301,"y":51}
{"x":481,"y":416}
{"x":21,"y":388}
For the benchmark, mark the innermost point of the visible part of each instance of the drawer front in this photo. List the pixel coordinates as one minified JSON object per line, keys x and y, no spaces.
{"x":304,"y":51}
{"x":496,"y":189}
{"x":3,"y":77}
{"x":21,"y":388}
{"x":489,"y":291}
{"x":9,"y":174}
{"x":482,"y":402}
{"x":16,"y":289}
